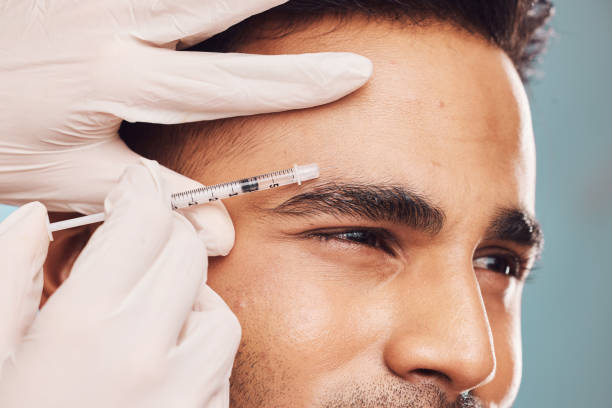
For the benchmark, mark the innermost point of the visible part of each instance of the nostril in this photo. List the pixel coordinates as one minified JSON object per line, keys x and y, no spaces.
{"x":428,"y":373}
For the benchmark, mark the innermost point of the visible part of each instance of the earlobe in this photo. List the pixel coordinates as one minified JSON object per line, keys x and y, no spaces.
{"x":63,"y":252}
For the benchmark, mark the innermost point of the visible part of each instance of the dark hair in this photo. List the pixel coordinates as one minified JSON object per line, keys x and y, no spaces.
{"x":516,"y":26}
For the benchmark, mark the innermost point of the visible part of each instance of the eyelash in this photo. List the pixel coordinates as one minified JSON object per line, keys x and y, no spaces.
{"x":515,"y":264}
{"x":383,"y":238}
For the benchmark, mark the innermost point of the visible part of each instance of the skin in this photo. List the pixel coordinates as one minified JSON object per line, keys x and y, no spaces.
{"x":331,"y":322}
{"x":337,"y":323}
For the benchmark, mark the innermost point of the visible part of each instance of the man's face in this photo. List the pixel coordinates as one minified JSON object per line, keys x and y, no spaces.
{"x":395,"y":279}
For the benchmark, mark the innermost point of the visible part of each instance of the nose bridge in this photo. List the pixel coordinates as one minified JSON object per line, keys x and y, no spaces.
{"x":441,"y":326}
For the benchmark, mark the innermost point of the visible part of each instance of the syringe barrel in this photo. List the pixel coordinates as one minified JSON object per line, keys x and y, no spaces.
{"x":297,"y":174}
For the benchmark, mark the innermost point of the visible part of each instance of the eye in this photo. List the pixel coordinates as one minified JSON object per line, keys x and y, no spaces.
{"x":369,"y":237}
{"x":506,"y":264}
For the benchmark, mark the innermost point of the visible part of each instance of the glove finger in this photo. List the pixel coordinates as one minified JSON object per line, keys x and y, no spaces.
{"x":24,"y":241}
{"x":213,"y":226}
{"x":164,"y":297}
{"x":174,"y":87}
{"x":211,"y":220}
{"x":209,"y":340}
{"x":89,"y":176}
{"x":77,"y":181}
{"x":164,"y":22}
{"x":144,"y":263}
{"x":108,"y":161}
{"x":80,"y":182}
{"x":138,"y":225}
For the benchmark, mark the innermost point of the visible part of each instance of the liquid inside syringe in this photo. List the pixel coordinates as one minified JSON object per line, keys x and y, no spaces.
{"x":296,"y":174}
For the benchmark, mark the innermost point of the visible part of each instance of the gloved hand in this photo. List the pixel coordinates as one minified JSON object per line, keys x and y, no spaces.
{"x":133,"y":325}
{"x":71,"y":70}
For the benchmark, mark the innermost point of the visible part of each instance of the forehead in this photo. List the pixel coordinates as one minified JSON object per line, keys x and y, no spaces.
{"x":444,"y":111}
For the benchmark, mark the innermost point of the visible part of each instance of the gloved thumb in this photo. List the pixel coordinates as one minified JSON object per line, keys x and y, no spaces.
{"x":24,"y":241}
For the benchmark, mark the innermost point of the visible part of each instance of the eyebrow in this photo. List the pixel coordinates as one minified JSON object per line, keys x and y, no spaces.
{"x":377,"y":203}
{"x":517,"y":226}
{"x":396,"y":204}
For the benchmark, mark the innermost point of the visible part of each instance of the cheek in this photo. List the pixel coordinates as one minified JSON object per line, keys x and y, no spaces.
{"x":311,"y":317}
{"x":271,"y":290}
{"x":274,"y":300}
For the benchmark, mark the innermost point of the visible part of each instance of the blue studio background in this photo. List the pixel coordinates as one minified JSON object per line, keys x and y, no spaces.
{"x":567,"y":323}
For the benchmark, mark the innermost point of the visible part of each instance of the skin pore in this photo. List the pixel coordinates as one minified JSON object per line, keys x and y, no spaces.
{"x":418,"y":300}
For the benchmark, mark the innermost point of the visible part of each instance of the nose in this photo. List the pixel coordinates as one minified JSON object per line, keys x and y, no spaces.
{"x":441,"y":332}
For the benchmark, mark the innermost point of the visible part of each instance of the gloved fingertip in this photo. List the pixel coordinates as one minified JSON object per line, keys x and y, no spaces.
{"x":348,"y":69}
{"x":137,"y":179}
{"x":211,"y":221}
{"x":361,"y":66}
{"x":213,"y":226}
{"x":208,"y":299}
{"x":229,"y":328}
{"x":28,"y":216}
{"x":26,"y":229}
{"x":154,"y":170}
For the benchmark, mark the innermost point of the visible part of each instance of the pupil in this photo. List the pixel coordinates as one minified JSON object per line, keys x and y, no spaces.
{"x":497,"y":264}
{"x":361,"y":237}
{"x":500,"y":264}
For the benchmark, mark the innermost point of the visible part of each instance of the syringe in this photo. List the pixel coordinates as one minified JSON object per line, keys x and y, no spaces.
{"x":296,"y":174}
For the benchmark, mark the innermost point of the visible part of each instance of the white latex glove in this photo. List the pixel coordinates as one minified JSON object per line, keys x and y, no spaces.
{"x":71,"y":70}
{"x":114,"y":334}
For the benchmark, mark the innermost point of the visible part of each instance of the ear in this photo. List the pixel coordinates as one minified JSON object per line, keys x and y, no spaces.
{"x":63,"y":251}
